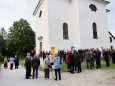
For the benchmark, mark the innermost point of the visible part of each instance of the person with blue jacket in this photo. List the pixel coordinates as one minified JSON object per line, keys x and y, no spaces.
{"x":57,"y":66}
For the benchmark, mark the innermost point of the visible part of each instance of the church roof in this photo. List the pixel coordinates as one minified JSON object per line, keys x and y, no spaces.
{"x":112,"y":35}
{"x":34,"y":13}
{"x":103,"y":1}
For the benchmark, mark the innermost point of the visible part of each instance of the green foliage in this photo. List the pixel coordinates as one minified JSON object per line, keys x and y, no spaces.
{"x":22,"y":60}
{"x":1,"y":59}
{"x":21,"y":38}
{"x":2,"y":45}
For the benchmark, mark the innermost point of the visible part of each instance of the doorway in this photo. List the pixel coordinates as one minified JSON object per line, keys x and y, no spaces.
{"x":41,"y":46}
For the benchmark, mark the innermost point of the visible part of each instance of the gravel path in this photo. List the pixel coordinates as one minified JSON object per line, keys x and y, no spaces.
{"x":86,"y":78}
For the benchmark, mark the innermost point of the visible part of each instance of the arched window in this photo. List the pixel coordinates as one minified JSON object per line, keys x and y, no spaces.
{"x":93,"y":7}
{"x":65,"y":31}
{"x":95,"y":31}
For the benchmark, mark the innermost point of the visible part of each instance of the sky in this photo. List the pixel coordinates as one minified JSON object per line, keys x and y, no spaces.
{"x":13,"y":10}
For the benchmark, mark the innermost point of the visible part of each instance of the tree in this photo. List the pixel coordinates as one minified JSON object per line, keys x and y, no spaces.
{"x":3,"y":33}
{"x":2,"y":46}
{"x":21,"y":38}
{"x":3,"y":36}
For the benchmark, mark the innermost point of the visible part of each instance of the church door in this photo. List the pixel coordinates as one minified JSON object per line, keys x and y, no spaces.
{"x":40,"y":45}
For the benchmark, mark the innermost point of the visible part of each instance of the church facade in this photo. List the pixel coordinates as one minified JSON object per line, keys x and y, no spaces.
{"x":66,"y":24}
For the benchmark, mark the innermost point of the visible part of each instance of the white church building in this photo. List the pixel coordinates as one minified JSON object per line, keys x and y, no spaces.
{"x":66,"y":24}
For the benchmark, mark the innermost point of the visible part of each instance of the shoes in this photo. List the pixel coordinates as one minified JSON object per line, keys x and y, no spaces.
{"x":27,"y":78}
{"x":55,"y":79}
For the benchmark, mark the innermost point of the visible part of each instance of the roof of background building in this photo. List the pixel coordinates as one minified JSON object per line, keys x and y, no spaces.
{"x":112,"y":35}
{"x":37,"y":7}
{"x":34,"y":13}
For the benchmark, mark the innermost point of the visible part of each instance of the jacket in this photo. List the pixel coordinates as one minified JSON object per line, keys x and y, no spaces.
{"x":57,"y":62}
{"x":35,"y":62}
{"x":46,"y":63}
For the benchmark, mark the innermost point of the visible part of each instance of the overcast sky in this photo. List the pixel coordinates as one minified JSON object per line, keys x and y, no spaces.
{"x":13,"y":10}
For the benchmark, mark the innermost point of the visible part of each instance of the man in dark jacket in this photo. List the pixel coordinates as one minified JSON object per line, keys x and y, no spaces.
{"x":113,"y":56}
{"x":72,"y":61}
{"x":35,"y":64}
{"x":16,"y":60}
{"x":98,"y":58}
{"x":106,"y":57}
{"x":28,"y":66}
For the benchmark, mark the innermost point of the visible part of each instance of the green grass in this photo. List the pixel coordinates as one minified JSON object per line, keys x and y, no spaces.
{"x":22,"y":60}
{"x":0,"y":63}
{"x":113,"y":77}
{"x":40,"y":68}
{"x":83,"y":65}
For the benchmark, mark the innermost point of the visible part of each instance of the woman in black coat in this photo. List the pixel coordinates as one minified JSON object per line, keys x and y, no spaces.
{"x":72,"y":61}
{"x":113,"y":56}
{"x":106,"y":57}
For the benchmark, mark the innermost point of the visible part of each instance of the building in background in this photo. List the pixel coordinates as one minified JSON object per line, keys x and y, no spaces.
{"x":66,"y":24}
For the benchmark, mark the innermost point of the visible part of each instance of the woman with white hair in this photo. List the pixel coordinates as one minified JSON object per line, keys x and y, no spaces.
{"x":46,"y":65}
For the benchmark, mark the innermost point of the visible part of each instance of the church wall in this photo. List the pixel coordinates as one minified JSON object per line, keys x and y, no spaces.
{"x":42,"y":27}
{"x":75,"y":24}
{"x":60,"y":11}
{"x":87,"y":17}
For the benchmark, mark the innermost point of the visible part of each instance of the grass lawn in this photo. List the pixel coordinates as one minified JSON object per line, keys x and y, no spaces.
{"x":83,"y":65}
{"x":21,"y":62}
{"x":64,"y":66}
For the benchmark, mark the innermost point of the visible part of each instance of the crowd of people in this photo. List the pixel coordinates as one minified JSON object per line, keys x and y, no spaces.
{"x":72,"y":58}
{"x":34,"y":62}
{"x":13,"y":61}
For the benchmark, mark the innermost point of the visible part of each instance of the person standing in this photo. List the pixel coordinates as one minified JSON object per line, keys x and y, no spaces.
{"x":28,"y":66}
{"x":35,"y":64}
{"x":78,"y":61}
{"x":57,"y":66}
{"x":113,"y":56}
{"x":88,"y":59}
{"x":106,"y":57}
{"x":67,"y":62}
{"x":16,"y":61}
{"x":72,"y":61}
{"x":44,"y":55}
{"x":46,"y":66}
{"x":97,"y":55}
{"x":5,"y":63}
{"x":11,"y":62}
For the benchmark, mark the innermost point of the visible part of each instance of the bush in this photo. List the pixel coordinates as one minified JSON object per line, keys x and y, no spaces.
{"x":1,"y":58}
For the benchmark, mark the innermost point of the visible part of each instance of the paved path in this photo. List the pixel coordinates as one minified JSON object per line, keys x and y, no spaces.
{"x":16,"y":77}
{"x":98,"y":77}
